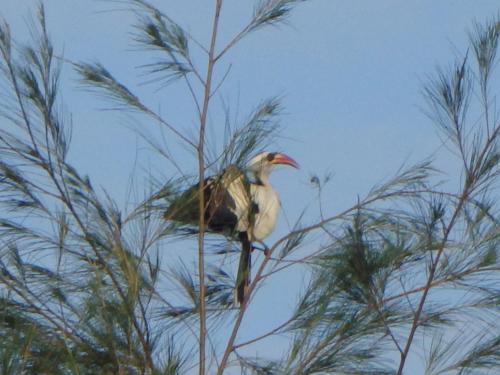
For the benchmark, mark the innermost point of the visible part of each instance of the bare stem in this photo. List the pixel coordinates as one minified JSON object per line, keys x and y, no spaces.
{"x":201,"y":175}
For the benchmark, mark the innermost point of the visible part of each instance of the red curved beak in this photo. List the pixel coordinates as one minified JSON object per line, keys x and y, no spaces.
{"x":285,"y":159}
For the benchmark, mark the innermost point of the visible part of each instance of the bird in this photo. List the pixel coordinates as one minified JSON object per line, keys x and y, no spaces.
{"x":240,"y":204}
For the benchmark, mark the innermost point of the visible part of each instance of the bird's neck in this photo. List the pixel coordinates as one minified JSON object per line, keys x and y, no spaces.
{"x":262,"y":178}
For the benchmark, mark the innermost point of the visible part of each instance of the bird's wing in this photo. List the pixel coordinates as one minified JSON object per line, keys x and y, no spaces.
{"x":229,"y":200}
{"x":184,"y":208}
{"x":227,"y":203}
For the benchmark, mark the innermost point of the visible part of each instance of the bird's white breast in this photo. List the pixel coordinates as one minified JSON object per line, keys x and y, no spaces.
{"x":268,"y":204}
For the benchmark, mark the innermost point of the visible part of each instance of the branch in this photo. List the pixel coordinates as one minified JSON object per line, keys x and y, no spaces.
{"x":201,"y":187}
{"x":430,"y":278}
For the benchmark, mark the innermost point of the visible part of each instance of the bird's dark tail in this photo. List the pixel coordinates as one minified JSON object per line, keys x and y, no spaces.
{"x":243,"y":276}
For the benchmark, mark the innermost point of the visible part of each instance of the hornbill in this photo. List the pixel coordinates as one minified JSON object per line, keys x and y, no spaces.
{"x":240,"y":204}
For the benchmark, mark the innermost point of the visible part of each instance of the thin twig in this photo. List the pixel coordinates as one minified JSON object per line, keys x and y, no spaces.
{"x":265,"y":335}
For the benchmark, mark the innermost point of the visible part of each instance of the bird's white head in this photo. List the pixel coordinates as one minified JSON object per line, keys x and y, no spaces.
{"x":262,"y":164}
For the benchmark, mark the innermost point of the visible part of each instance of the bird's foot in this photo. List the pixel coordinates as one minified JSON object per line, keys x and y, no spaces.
{"x":267,"y":250}
{"x":264,"y":249}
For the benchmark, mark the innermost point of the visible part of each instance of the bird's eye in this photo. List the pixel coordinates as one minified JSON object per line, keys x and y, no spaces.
{"x":270,"y":156}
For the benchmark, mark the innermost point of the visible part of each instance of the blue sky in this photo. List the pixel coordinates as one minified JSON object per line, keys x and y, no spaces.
{"x":350,"y":74}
